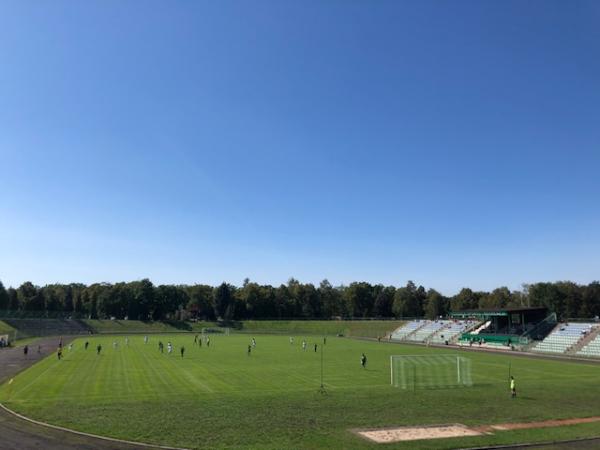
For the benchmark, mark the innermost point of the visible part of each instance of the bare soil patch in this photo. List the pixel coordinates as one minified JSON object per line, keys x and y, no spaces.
{"x":388,"y":435}
{"x":542,"y":424}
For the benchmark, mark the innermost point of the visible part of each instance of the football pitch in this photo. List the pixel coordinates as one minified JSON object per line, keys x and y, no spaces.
{"x":219,"y":397}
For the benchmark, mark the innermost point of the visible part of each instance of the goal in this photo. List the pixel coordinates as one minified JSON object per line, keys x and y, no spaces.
{"x":430,"y":372}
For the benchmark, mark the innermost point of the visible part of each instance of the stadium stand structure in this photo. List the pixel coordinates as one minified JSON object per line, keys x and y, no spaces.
{"x":435,"y":331}
{"x":407,"y":329}
{"x":564,"y":337}
{"x":506,"y":328}
{"x":592,"y":347}
{"x":47,"y":327}
{"x":451,"y":332}
{"x":425,"y":332}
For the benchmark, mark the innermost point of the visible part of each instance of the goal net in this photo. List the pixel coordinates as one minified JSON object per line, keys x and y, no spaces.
{"x":430,"y":372}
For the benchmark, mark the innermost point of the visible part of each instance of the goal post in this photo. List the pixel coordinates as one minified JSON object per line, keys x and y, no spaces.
{"x":430,"y":372}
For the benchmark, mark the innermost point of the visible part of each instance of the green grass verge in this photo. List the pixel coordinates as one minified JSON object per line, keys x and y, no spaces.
{"x":5,"y":328}
{"x":138,"y":326}
{"x":366,"y":328}
{"x":219,"y":397}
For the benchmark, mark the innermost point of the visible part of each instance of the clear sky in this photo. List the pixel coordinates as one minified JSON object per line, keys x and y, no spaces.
{"x":454,"y":143}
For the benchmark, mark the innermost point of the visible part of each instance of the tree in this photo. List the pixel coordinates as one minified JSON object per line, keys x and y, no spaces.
{"x":436,"y":304}
{"x":384,"y":301}
{"x":30,"y":297}
{"x":200,"y":303}
{"x":332,"y":304}
{"x":283,"y":302}
{"x":223,"y":302}
{"x":13,"y":299}
{"x":498,"y":298}
{"x":145,"y":298}
{"x":359,"y":299}
{"x":309,"y":301}
{"x":408,"y":301}
{"x":571,"y":296}
{"x":4,"y":300}
{"x":465,"y":299}
{"x":590,"y":301}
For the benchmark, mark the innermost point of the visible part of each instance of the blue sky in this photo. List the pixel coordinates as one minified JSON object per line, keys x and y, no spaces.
{"x":451,"y":143}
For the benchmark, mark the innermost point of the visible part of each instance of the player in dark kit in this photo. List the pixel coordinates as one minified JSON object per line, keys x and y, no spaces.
{"x":315,"y":348}
{"x":363,"y":361}
{"x":249,"y":349}
{"x":182,"y":351}
{"x":98,"y":349}
{"x":25,"y":351}
{"x":86,"y":344}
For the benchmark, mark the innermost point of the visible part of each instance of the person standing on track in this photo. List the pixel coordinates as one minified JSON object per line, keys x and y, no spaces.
{"x":25,"y":351}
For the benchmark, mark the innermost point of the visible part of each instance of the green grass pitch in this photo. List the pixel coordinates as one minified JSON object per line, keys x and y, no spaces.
{"x":219,"y":397}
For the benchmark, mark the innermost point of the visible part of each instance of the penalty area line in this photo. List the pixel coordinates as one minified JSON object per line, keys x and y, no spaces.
{"x":81,"y":433}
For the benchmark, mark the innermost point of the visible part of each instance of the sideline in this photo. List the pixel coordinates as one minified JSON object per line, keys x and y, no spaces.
{"x":509,"y":353}
{"x":535,"y":445}
{"x":16,"y":364}
{"x":81,"y":433}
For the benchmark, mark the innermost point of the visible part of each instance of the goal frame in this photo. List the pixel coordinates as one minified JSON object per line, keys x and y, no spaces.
{"x":461,"y":363}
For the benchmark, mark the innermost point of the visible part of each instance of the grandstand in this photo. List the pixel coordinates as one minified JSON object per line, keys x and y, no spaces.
{"x":436,"y":331}
{"x":407,"y":329}
{"x":592,"y":348}
{"x":506,"y":328}
{"x":430,"y":327}
{"x":449,"y":333}
{"x":564,"y":337}
{"x":47,"y":327}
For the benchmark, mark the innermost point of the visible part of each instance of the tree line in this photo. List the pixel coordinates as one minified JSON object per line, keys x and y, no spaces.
{"x":142,"y":300}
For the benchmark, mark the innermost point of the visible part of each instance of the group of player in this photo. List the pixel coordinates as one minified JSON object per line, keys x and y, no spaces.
{"x":198,"y":340}
{"x":305,"y":344}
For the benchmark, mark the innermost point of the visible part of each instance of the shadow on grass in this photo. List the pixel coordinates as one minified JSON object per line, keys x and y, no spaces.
{"x":182,"y":326}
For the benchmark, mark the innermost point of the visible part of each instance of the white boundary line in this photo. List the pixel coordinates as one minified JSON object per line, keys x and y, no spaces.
{"x":81,"y":433}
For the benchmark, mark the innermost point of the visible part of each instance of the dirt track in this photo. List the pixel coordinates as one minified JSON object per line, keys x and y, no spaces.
{"x":18,"y":434}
